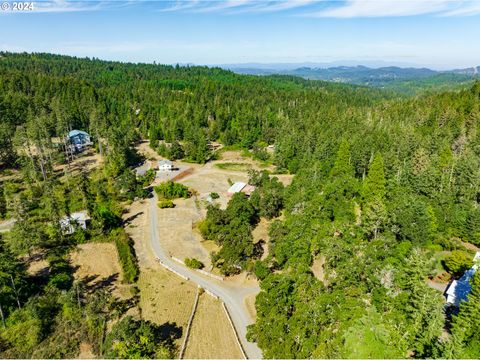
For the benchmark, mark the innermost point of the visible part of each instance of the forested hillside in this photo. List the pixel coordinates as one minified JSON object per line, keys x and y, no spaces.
{"x":383,"y":187}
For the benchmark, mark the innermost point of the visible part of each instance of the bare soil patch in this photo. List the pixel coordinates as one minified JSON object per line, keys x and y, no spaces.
{"x":317,"y":268}
{"x":260,"y":233}
{"x":250,"y":305}
{"x":86,"y":352}
{"x":85,"y":161}
{"x":211,"y":334}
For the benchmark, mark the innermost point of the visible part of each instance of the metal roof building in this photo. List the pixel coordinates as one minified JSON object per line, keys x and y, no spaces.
{"x":459,"y":289}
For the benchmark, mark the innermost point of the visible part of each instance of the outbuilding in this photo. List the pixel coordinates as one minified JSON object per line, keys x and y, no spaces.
{"x":241,"y":187}
{"x":76,"y":219}
{"x":165,"y":165}
{"x":459,"y":289}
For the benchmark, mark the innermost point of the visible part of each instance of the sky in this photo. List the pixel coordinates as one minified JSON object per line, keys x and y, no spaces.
{"x":440,"y":34}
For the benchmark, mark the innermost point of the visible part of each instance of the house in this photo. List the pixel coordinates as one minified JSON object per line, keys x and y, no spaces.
{"x":76,"y":219}
{"x":165,"y":165}
{"x":241,"y":187}
{"x":459,"y":289}
{"x":79,"y":140}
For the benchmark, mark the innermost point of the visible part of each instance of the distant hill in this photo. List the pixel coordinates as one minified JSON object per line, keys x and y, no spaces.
{"x":405,"y":80}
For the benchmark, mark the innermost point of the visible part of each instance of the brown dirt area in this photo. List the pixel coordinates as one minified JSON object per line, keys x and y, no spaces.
{"x":86,"y":352}
{"x":260,"y":233}
{"x":317,"y":268}
{"x":85,"y":161}
{"x":211,"y":334}
{"x":250,"y":305}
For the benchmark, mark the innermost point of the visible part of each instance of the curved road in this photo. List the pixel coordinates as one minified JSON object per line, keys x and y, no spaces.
{"x":232,"y":296}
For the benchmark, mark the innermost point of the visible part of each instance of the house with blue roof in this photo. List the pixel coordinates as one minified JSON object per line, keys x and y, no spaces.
{"x":79,"y":140}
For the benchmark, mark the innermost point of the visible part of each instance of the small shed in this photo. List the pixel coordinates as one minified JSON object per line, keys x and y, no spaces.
{"x":76,"y":219}
{"x":241,"y":187}
{"x":165,"y":165}
{"x":235,"y":188}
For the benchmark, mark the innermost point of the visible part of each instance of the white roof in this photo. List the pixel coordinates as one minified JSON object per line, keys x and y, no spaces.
{"x":459,"y":289}
{"x":77,"y":216}
{"x":237,"y":187}
{"x":164,"y":162}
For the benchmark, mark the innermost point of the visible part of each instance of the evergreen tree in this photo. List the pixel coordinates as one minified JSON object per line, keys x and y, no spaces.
{"x":373,"y":195}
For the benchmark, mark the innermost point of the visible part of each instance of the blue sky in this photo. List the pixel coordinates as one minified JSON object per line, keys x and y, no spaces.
{"x":434,"y":33}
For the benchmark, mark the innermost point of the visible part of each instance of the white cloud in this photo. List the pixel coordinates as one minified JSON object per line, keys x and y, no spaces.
{"x":334,"y":8}
{"x":383,"y":8}
{"x":467,"y":8}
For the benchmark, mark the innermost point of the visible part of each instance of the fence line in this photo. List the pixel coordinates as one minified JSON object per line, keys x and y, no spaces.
{"x":172,"y":270}
{"x":178,"y":260}
{"x":234,"y":330}
{"x":211,"y":294}
{"x":189,"y":325}
{"x":209,"y":274}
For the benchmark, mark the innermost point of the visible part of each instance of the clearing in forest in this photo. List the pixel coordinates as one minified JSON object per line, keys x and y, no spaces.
{"x":211,"y":335}
{"x":165,"y":298}
{"x":98,"y":266}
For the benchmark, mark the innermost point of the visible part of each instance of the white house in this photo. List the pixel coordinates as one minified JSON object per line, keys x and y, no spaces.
{"x":165,"y":165}
{"x":459,"y":289}
{"x":76,"y":219}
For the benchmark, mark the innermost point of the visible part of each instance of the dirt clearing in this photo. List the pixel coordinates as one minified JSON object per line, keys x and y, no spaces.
{"x":211,"y":334}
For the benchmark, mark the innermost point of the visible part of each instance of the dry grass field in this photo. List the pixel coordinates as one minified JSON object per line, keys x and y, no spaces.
{"x":165,"y":297}
{"x":97,"y":264}
{"x":211,"y":334}
{"x":176,"y":225}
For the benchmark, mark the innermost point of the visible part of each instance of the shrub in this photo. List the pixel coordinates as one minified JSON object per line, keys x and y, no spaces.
{"x":214,"y":195}
{"x":261,"y":270}
{"x":171,"y":190}
{"x":194,"y":263}
{"x":126,"y":255}
{"x":148,"y":178}
{"x":458,"y":262}
{"x":166,"y":204}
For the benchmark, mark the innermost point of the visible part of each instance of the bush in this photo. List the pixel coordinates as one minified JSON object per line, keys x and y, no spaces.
{"x":126,"y":255}
{"x":171,"y":190}
{"x":261,"y":270}
{"x":214,"y":195}
{"x":458,"y":262}
{"x":148,"y":178}
{"x":194,"y":263}
{"x":166,"y":204}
